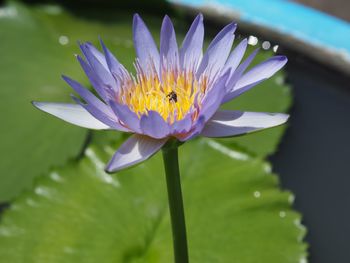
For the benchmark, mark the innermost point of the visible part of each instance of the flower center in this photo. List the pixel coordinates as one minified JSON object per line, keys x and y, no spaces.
{"x":175,"y":95}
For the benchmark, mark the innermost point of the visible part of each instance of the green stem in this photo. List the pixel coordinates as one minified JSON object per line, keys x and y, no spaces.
{"x":171,"y":164}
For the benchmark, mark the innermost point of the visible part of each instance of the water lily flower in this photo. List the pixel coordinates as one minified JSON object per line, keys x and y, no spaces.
{"x":175,"y":92}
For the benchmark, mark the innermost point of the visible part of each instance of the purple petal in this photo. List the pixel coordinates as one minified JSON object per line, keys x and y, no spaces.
{"x":146,"y":49}
{"x":154,"y":125}
{"x":100,"y":68}
{"x":113,"y":64}
{"x":235,"y":93}
{"x":262,"y":71}
{"x":191,"y":50}
{"x":127,"y":116}
{"x":254,"y":76}
{"x":233,"y":123}
{"x":183,"y":125}
{"x":88,"y":96}
{"x":168,"y":46}
{"x":239,"y":71}
{"x":218,"y":51}
{"x":91,"y":52}
{"x":214,"y":96}
{"x":210,"y":105}
{"x":236,"y":56}
{"x":111,"y":121}
{"x":136,"y":149}
{"x":195,"y":131}
{"x":72,"y":113}
{"x":93,"y":78}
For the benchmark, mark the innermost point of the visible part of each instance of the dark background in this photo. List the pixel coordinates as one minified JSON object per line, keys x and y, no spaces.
{"x":340,"y":8}
{"x":314,"y":157}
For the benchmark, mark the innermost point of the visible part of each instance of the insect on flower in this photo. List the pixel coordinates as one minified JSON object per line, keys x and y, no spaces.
{"x":175,"y":93}
{"x":172,"y":96}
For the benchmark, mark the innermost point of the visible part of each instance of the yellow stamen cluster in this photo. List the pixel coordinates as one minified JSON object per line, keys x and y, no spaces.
{"x":172,"y":97}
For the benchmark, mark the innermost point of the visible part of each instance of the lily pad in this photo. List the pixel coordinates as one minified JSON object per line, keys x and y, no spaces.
{"x":31,"y":63}
{"x":37,"y":46}
{"x":233,"y":207}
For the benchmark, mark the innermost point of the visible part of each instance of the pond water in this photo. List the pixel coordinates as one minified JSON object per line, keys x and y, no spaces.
{"x":313,"y":158}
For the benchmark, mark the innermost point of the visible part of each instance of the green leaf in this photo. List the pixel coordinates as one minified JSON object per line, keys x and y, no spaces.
{"x":31,"y":64}
{"x":233,"y":207}
{"x":37,"y":46}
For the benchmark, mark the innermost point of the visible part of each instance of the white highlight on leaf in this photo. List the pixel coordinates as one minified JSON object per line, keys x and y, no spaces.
{"x":109,"y":150}
{"x":298,"y":224}
{"x":282,"y":214}
{"x":68,"y":250}
{"x":31,"y":202}
{"x":227,"y":151}
{"x":56,"y":177}
{"x":100,"y":169}
{"x":43,"y":191}
{"x":279,"y":80}
{"x":291,"y":198}
{"x":15,"y":207}
{"x":9,"y":11}
{"x":63,"y":40}
{"x":10,"y":231}
{"x":267,"y":168}
{"x":257,"y":194}
{"x":52,"y":9}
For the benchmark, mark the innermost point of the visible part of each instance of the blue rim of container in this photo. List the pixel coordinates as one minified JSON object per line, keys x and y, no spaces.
{"x":321,"y":36}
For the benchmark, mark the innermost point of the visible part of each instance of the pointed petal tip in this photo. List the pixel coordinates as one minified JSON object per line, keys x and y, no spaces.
{"x":36,"y":104}
{"x":167,"y":21}
{"x":101,"y":42}
{"x":39,"y":104}
{"x":67,"y":79}
{"x":285,"y":116}
{"x":234,"y":123}
{"x":108,"y":169}
{"x":104,"y":47}
{"x":199,"y":18}
{"x":282,"y":58}
{"x":136,"y":18}
{"x":232,"y":26}
{"x":281,"y":118}
{"x":279,"y":57}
